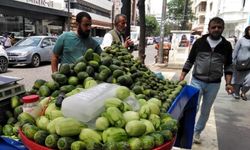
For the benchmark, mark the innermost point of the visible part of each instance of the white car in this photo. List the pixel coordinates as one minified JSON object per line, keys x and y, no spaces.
{"x":3,"y":60}
{"x":150,"y":40}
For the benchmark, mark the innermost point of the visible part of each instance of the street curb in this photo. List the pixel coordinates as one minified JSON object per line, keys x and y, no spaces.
{"x":166,"y":72}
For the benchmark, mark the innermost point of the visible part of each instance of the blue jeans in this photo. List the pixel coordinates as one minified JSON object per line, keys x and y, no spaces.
{"x":208,"y":92}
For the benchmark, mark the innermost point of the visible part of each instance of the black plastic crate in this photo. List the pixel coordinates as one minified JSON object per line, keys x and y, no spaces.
{"x":4,"y":106}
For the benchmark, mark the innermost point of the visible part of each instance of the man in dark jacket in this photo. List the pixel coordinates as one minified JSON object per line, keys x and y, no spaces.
{"x":211,"y":56}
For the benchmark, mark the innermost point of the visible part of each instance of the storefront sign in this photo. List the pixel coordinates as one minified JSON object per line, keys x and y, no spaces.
{"x":56,"y":4}
{"x":45,"y":3}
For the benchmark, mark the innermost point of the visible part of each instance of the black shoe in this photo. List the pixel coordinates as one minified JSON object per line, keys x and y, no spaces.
{"x":243,"y":96}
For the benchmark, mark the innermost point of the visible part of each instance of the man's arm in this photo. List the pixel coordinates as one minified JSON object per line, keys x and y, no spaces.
{"x":54,"y":62}
{"x":189,"y":63}
{"x":228,"y":69}
{"x":107,"y":40}
{"x":57,"y":51}
{"x":229,"y":87}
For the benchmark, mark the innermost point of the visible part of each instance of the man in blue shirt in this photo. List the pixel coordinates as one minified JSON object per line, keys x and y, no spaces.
{"x":71,"y":45}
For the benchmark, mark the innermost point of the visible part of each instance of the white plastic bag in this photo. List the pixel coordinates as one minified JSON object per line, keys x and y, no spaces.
{"x":88,"y":104}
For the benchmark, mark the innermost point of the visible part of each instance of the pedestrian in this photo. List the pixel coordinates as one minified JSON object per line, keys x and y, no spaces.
{"x":241,"y":61}
{"x":71,"y":45}
{"x":12,"y":38}
{"x":7,"y":41}
{"x":118,"y":33}
{"x":211,"y":55}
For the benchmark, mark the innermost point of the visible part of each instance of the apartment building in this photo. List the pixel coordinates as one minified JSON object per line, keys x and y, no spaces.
{"x":236,"y":14}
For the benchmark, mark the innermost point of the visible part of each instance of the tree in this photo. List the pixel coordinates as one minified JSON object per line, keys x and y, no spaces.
{"x":142,"y":43}
{"x":176,"y":12}
{"x":152,"y":26}
{"x":126,"y":9}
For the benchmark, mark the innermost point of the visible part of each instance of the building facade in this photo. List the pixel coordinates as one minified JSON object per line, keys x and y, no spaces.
{"x":99,"y":10}
{"x":134,"y":10}
{"x":236,"y":14}
{"x":32,"y":17}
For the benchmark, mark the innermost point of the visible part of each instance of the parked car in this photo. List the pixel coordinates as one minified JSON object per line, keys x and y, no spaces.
{"x":31,"y":50}
{"x":150,"y":40}
{"x":3,"y":60}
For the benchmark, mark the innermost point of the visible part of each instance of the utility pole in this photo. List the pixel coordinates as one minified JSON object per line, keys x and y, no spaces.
{"x":126,"y":9}
{"x":68,"y":15}
{"x":163,"y":17}
{"x":184,"y":22}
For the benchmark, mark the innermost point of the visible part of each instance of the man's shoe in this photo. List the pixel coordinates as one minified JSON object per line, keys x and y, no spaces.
{"x":236,"y":96}
{"x":197,"y":138}
{"x":243,"y":96}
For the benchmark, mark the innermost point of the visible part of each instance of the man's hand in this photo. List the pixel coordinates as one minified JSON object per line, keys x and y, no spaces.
{"x":229,"y":88}
{"x":128,"y":42}
{"x":182,"y":77}
{"x":54,"y":63}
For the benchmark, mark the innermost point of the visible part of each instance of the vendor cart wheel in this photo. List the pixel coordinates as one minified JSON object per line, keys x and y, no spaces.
{"x":35,"y":61}
{"x":3,"y":64}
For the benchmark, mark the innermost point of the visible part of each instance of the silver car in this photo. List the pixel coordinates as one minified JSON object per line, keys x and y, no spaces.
{"x":31,"y":50}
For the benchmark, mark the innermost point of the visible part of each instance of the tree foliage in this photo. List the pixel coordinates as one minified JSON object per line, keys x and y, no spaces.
{"x":152,"y":26}
{"x":176,"y":11}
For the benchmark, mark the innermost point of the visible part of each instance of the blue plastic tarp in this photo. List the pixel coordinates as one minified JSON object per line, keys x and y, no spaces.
{"x":10,"y":144}
{"x":183,"y":109}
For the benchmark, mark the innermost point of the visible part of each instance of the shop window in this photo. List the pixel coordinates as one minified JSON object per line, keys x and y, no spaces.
{"x":11,"y":24}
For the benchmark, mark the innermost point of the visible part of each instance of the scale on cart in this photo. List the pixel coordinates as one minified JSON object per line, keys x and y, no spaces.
{"x":9,"y":87}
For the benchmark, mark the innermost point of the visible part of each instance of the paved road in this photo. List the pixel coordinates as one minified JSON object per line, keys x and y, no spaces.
{"x":29,"y":75}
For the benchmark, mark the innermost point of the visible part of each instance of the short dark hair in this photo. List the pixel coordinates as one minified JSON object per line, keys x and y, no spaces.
{"x":246,"y":31}
{"x":80,"y":15}
{"x":117,"y":18}
{"x":217,"y":20}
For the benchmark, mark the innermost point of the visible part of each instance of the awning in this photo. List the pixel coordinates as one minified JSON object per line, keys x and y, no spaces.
{"x":197,"y":30}
{"x":101,"y":24}
{"x":100,"y":27}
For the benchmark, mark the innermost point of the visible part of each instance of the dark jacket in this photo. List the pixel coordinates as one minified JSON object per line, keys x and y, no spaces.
{"x":209,"y":64}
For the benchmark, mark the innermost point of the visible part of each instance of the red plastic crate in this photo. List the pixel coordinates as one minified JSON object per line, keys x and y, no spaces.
{"x":167,"y":145}
{"x":31,"y":145}
{"x":34,"y":146}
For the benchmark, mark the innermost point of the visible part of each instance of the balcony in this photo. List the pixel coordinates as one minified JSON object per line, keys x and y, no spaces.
{"x":197,"y":2}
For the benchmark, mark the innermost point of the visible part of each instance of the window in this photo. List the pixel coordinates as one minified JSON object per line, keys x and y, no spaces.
{"x":211,"y":6}
{"x":202,"y":6}
{"x":202,"y":19}
{"x":46,"y":42}
{"x":53,"y":41}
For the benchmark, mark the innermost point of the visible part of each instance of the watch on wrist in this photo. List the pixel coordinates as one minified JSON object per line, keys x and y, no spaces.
{"x":228,"y":84}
